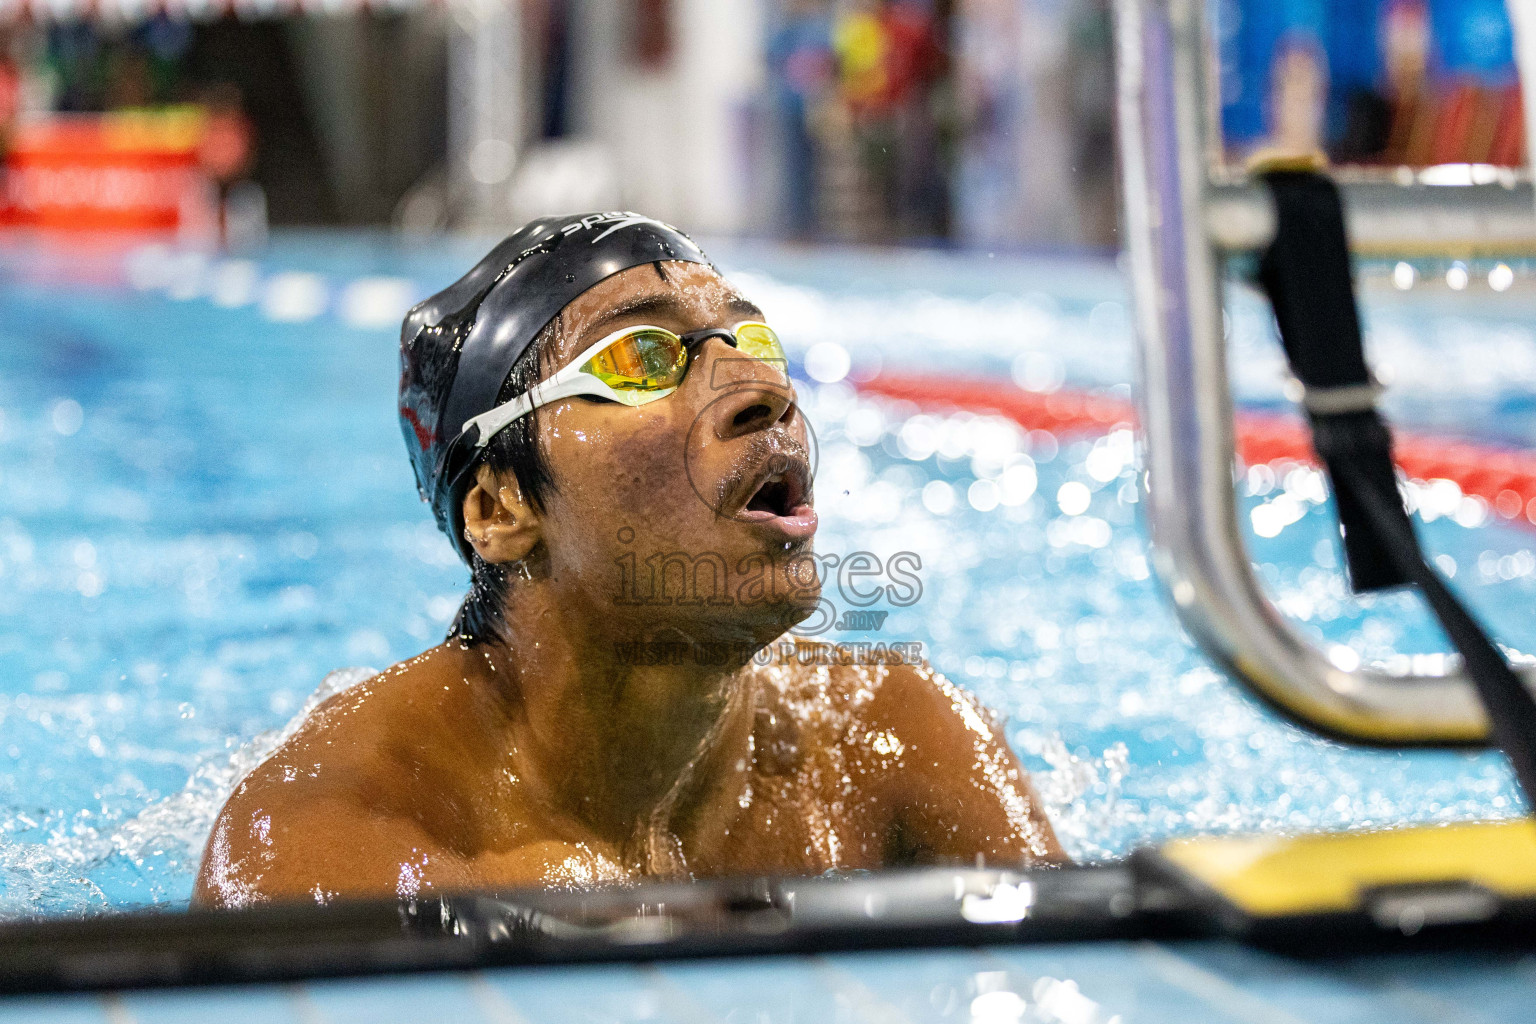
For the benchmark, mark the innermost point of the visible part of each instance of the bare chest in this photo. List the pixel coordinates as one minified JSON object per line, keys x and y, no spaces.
{"x":810,"y":803}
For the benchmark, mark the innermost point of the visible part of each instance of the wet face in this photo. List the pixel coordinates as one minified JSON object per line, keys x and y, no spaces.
{"x":689,"y":518}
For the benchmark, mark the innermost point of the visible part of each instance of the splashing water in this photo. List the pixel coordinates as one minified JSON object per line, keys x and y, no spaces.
{"x":1082,"y":797}
{"x":174,"y":829}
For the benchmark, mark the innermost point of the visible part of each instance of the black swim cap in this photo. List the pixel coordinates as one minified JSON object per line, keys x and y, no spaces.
{"x":457,"y":348}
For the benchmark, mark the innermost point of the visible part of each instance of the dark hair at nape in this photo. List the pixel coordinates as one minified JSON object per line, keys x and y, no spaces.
{"x":482,"y":617}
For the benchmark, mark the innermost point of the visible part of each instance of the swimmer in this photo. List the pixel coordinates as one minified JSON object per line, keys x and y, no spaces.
{"x":604,"y":428}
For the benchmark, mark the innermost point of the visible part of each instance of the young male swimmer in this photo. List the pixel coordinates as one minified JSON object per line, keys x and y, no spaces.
{"x":593,"y":394}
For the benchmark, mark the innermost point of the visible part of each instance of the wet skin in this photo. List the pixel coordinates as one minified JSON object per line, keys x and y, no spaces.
{"x":555,"y":756}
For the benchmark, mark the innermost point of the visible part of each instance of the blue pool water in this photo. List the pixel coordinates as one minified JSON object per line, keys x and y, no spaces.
{"x":205,"y":507}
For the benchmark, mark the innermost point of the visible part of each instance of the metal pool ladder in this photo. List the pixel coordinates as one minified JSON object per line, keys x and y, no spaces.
{"x":1185,"y":214}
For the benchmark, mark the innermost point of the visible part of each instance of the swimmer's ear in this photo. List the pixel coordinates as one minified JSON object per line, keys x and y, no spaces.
{"x":498,"y":521}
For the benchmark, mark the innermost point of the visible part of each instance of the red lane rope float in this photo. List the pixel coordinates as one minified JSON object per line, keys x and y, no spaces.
{"x":1504,"y":478}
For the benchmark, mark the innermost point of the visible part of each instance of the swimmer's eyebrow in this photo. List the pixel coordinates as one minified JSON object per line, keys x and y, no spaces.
{"x":660,"y":304}
{"x":744,"y":307}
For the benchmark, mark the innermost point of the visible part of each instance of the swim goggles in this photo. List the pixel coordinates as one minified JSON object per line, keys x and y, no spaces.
{"x":634,"y":366}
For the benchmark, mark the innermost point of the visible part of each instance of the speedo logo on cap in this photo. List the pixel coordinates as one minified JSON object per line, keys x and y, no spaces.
{"x":617,"y":221}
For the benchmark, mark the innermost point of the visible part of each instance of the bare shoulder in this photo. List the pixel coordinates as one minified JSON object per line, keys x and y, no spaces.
{"x":822,"y":684}
{"x":817,"y":687}
{"x":351,"y":736}
{"x":339,"y":807}
{"x":922,"y":748}
{"x":916,"y":700}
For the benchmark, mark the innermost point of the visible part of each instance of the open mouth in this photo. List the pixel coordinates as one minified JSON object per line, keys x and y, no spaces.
{"x":782,"y":498}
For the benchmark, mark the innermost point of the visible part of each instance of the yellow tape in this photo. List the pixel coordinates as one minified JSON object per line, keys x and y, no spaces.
{"x":1271,"y":876}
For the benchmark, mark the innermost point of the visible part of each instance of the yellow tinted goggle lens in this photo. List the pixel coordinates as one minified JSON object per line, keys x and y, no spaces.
{"x":649,"y":360}
{"x":759,"y":341}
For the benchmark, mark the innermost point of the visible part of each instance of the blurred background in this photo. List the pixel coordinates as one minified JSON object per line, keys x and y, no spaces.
{"x":970,"y":122}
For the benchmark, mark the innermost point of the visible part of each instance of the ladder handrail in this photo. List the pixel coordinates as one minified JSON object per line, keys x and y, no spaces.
{"x":1186,"y":413}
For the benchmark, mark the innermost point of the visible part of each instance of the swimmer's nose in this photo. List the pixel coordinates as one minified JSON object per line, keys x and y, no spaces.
{"x":752,"y":395}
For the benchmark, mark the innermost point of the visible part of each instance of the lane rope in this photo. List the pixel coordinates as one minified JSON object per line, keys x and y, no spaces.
{"x":1503,"y":477}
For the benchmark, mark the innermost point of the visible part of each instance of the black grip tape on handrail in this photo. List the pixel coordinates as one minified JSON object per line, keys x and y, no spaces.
{"x":1306,"y":272}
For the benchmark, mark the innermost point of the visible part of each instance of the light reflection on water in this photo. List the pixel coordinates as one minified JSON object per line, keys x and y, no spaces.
{"x":203,"y":510}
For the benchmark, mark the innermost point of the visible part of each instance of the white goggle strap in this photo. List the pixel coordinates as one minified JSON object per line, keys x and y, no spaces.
{"x":494,"y":421}
{"x":566,"y":383}
{"x":503,"y":416}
